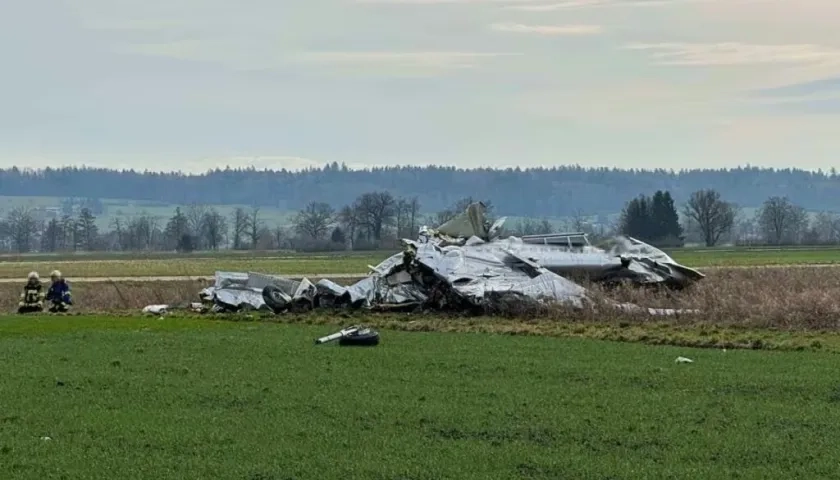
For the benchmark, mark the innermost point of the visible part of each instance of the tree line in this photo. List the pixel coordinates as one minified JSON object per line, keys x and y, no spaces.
{"x":378,"y":219}
{"x":708,"y":219}
{"x":536,"y":192}
{"x":373,"y":220}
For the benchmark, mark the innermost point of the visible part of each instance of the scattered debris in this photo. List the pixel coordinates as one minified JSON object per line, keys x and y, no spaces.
{"x":156,"y":309}
{"x":163,"y":309}
{"x":463,"y":265}
{"x":683,"y":360}
{"x":356,"y":336}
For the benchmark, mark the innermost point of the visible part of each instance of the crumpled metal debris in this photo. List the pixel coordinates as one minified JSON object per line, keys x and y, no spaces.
{"x":464,"y":264}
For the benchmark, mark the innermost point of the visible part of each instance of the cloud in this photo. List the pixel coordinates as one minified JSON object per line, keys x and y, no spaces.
{"x":734,"y":54}
{"x":547,"y":29}
{"x":821,"y":97}
{"x":578,"y":4}
{"x":633,"y":104}
{"x":375,"y":62}
{"x":824,"y":86}
{"x":541,"y":5}
{"x":405,"y":61}
{"x":441,"y":2}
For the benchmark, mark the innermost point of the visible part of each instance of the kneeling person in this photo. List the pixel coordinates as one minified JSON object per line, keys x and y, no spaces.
{"x":32,"y":298}
{"x":59,"y":293}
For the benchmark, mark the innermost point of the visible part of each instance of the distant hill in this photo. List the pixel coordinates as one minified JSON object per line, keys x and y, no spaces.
{"x":556,"y":192}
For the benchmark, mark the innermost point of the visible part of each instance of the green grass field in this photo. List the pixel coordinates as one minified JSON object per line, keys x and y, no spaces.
{"x":136,"y":398}
{"x":205,"y":263}
{"x":724,"y":257}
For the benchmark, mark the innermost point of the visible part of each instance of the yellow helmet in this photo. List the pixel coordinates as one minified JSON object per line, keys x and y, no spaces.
{"x":55,"y":274}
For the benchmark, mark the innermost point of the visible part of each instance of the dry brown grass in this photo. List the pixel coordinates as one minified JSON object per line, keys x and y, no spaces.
{"x":116,"y":296}
{"x":780,"y":298}
{"x":785,"y":298}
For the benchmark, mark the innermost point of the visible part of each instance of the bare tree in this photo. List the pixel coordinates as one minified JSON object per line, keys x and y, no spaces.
{"x":68,"y":233}
{"x":402,"y":211}
{"x":530,"y":226}
{"x":240,"y":227}
{"x":49,"y":239}
{"x":117,"y":228}
{"x":279,"y":236}
{"x":578,"y":220}
{"x":314,"y":220}
{"x":5,"y":235}
{"x":407,"y":211}
{"x":254,"y":226}
{"x":546,"y":227}
{"x":376,"y":211}
{"x":413,"y":215}
{"x":745,"y":229}
{"x":780,"y":221}
{"x":265,"y":239}
{"x":827,"y":227}
{"x":213,"y":229}
{"x":23,"y":228}
{"x":348,"y":217}
{"x":143,"y":233}
{"x":714,"y":217}
{"x":526,"y":226}
{"x":195,"y":214}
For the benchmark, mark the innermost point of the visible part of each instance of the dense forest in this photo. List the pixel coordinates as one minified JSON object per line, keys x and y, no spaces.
{"x":545,"y":192}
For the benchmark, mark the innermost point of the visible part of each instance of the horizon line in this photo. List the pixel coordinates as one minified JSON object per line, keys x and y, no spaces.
{"x":342,"y":166}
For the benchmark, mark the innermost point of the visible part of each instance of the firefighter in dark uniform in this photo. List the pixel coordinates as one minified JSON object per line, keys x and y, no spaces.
{"x":32,"y":298}
{"x":59,"y":293}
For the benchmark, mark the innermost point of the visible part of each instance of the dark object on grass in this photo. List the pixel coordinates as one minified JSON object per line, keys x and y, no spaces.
{"x":357,"y":336}
{"x":275,"y":298}
{"x":362,"y":338}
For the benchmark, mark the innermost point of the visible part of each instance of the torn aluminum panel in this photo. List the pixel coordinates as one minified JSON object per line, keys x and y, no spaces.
{"x":569,"y":254}
{"x":472,"y":222}
{"x":592,"y":263}
{"x":236,"y":291}
{"x":480,"y":276}
{"x":397,"y":289}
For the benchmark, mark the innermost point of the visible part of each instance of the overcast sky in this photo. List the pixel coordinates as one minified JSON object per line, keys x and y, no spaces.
{"x":194,"y":84}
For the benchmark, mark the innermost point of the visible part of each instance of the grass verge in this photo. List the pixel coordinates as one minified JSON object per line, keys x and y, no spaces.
{"x":172,"y":399}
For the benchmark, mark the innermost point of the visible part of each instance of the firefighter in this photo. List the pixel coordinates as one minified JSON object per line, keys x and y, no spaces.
{"x":32,"y":298}
{"x":59,"y":293}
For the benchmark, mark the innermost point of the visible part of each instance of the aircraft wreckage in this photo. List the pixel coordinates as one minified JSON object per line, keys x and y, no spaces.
{"x":463,"y":265}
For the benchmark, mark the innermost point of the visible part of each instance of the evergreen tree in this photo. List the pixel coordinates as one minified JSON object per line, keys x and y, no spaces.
{"x":666,"y":222}
{"x":86,"y":230}
{"x":176,"y":229}
{"x":636,"y":218}
{"x":51,"y":236}
{"x":338,"y":236}
{"x":652,"y":219}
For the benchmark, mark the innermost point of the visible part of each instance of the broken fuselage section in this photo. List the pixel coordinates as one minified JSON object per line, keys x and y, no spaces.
{"x":467,"y":265}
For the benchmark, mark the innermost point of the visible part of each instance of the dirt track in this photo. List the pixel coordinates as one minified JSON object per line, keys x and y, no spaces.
{"x":346,"y":276}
